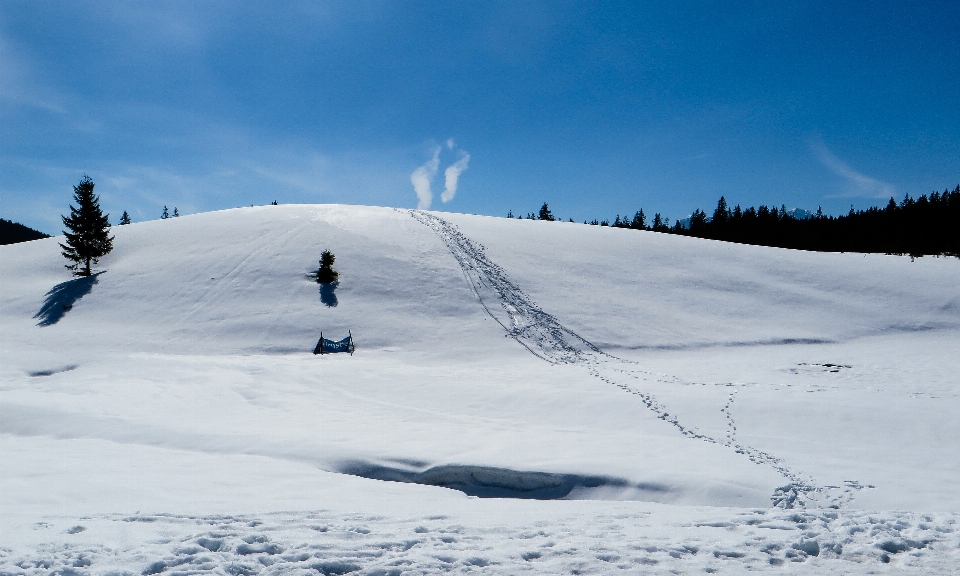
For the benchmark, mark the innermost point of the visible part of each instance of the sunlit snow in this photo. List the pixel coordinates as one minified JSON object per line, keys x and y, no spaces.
{"x":525,"y":397}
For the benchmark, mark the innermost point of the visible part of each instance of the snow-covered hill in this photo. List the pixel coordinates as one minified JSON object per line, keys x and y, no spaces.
{"x":632,"y":400}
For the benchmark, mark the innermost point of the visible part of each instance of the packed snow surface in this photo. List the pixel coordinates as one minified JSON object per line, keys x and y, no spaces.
{"x":525,"y":397}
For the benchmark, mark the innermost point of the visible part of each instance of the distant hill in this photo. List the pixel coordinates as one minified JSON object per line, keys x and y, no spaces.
{"x":13,"y":232}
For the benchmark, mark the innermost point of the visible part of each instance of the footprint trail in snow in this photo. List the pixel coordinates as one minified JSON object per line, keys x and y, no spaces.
{"x":545,"y":337}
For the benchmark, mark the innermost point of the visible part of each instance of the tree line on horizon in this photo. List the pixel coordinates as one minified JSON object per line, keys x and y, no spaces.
{"x":13,"y":233}
{"x":928,"y":225}
{"x":915,"y":227}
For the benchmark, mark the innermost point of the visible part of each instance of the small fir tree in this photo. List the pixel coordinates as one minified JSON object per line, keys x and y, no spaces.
{"x":165,"y":214}
{"x":176,"y":213}
{"x":124,"y":218}
{"x":326,"y":274}
{"x":88,"y":238}
{"x":545,"y":213}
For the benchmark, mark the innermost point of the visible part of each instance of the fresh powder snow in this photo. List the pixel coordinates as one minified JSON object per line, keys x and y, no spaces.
{"x":525,"y":397}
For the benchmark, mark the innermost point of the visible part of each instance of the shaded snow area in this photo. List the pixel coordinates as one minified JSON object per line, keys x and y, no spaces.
{"x":525,"y":397}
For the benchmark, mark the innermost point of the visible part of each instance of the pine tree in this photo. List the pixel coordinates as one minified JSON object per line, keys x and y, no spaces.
{"x":89,"y":237}
{"x":326,"y":274}
{"x":166,"y":214}
{"x":545,"y":213}
{"x":639,"y":221}
{"x":124,"y":218}
{"x":698,"y":222}
{"x":721,"y":214}
{"x":658,"y":224}
{"x":176,"y":213}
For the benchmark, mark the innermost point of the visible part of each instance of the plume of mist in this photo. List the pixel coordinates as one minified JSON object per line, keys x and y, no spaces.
{"x":860,"y":184}
{"x":422,"y":178}
{"x":452,"y":175}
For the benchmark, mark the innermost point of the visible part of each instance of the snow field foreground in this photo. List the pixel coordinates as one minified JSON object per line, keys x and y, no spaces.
{"x":173,"y":399}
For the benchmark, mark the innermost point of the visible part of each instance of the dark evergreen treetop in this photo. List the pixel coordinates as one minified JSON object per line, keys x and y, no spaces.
{"x":88,"y":238}
{"x":326,"y":274}
{"x":545,"y":213}
{"x":124,"y":218}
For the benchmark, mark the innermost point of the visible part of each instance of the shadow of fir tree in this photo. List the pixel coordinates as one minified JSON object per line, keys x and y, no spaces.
{"x":61,"y":298}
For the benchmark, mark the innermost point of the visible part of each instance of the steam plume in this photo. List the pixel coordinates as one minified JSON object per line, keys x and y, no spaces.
{"x":422,"y":177}
{"x":452,"y":175}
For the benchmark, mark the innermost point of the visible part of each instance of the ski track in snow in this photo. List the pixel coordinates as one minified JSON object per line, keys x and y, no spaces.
{"x":545,"y":337}
{"x":640,"y":541}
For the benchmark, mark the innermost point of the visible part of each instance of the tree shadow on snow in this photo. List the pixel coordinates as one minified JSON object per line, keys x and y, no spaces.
{"x":61,"y":298}
{"x":328,"y":294}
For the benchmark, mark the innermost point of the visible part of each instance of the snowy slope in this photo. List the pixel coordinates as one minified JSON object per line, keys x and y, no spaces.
{"x":633,"y":374}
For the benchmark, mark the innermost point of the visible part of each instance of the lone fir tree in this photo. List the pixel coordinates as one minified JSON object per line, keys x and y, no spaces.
{"x":326,"y":274}
{"x":545,"y":213}
{"x":124,"y":218}
{"x":88,"y":238}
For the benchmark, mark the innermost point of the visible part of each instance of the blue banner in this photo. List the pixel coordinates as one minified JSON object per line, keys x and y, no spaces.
{"x":327,"y":346}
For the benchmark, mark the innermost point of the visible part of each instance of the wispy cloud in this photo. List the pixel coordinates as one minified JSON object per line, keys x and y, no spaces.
{"x":452,"y":175}
{"x":858,"y":184}
{"x":36,"y":191}
{"x":19,"y":83}
{"x":422,"y":177}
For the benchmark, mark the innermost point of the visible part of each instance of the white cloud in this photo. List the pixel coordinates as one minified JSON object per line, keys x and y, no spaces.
{"x":452,"y":175}
{"x":422,"y":177}
{"x":858,"y":184}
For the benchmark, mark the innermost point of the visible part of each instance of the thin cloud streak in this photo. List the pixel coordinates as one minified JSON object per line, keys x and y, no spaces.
{"x":19,"y":85}
{"x":860,"y":184}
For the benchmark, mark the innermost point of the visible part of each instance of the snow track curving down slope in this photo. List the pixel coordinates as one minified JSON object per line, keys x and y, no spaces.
{"x":545,"y":337}
{"x":523,"y":320}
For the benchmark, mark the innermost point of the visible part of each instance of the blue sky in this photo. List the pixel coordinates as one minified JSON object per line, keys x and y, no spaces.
{"x":598,"y":108}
